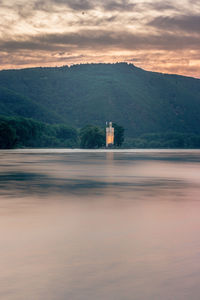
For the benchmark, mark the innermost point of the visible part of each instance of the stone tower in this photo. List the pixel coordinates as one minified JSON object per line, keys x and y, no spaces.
{"x":109,"y":135}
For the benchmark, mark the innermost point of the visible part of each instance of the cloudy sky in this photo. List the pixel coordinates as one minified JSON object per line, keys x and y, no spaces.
{"x":156,"y":35}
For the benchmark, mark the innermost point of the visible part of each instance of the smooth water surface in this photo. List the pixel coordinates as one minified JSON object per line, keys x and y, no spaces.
{"x":99,"y":225}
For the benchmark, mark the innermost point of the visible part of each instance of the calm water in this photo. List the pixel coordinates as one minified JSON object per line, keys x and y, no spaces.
{"x":97,"y":225}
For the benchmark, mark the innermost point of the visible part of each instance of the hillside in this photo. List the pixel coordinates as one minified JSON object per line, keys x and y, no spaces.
{"x":141,"y":101}
{"x":15,"y":104}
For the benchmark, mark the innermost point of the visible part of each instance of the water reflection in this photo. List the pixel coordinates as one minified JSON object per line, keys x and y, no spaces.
{"x":88,"y":173}
{"x":99,"y":225}
{"x":19,"y":184}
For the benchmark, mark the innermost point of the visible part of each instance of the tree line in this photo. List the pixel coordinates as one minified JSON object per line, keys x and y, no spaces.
{"x":18,"y":132}
{"x":168,"y":140}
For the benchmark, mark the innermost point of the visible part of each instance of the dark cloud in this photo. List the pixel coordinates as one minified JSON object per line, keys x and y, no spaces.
{"x":111,"y":5}
{"x":40,"y":5}
{"x":161,"y":6}
{"x":120,"y":6}
{"x":85,"y":5}
{"x":194,"y":2}
{"x":91,"y":21}
{"x":185,"y":23}
{"x":26,"y":44}
{"x":24,"y":11}
{"x":76,"y":4}
{"x":101,"y":40}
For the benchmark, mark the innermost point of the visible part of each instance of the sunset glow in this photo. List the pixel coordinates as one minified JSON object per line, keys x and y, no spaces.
{"x":161,"y":36}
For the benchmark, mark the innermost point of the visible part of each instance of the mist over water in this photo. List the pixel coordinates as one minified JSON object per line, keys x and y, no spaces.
{"x":113,"y":225}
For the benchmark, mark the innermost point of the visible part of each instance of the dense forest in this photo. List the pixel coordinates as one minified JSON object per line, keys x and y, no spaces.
{"x":142,"y":102}
{"x":169,"y":140}
{"x":19,"y":132}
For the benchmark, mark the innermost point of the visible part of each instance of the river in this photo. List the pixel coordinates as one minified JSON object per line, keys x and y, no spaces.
{"x":99,"y":225}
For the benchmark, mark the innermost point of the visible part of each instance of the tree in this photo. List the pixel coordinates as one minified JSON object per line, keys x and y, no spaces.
{"x":64,"y":132}
{"x":7,"y":136}
{"x":92,"y":137}
{"x":118,"y":135}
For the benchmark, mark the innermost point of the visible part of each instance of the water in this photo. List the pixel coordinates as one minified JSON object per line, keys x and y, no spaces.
{"x":99,"y":225}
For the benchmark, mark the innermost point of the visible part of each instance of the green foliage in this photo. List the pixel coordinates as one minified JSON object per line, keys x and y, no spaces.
{"x":118,"y":135}
{"x":7,"y":136}
{"x":92,"y":137}
{"x":142,"y":102}
{"x":64,"y":132}
{"x":15,"y":104}
{"x":22,"y":132}
{"x":173,"y":140}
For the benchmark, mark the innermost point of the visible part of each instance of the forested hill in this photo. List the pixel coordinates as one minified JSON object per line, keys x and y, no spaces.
{"x":141,"y":101}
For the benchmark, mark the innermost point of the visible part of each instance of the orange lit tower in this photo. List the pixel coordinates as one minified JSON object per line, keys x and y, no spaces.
{"x":109,"y":135}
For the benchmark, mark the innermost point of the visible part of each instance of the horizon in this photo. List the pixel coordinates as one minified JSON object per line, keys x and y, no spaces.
{"x":96,"y":63}
{"x":155,"y":36}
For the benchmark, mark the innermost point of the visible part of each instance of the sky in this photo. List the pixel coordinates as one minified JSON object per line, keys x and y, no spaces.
{"x":160,"y":36}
